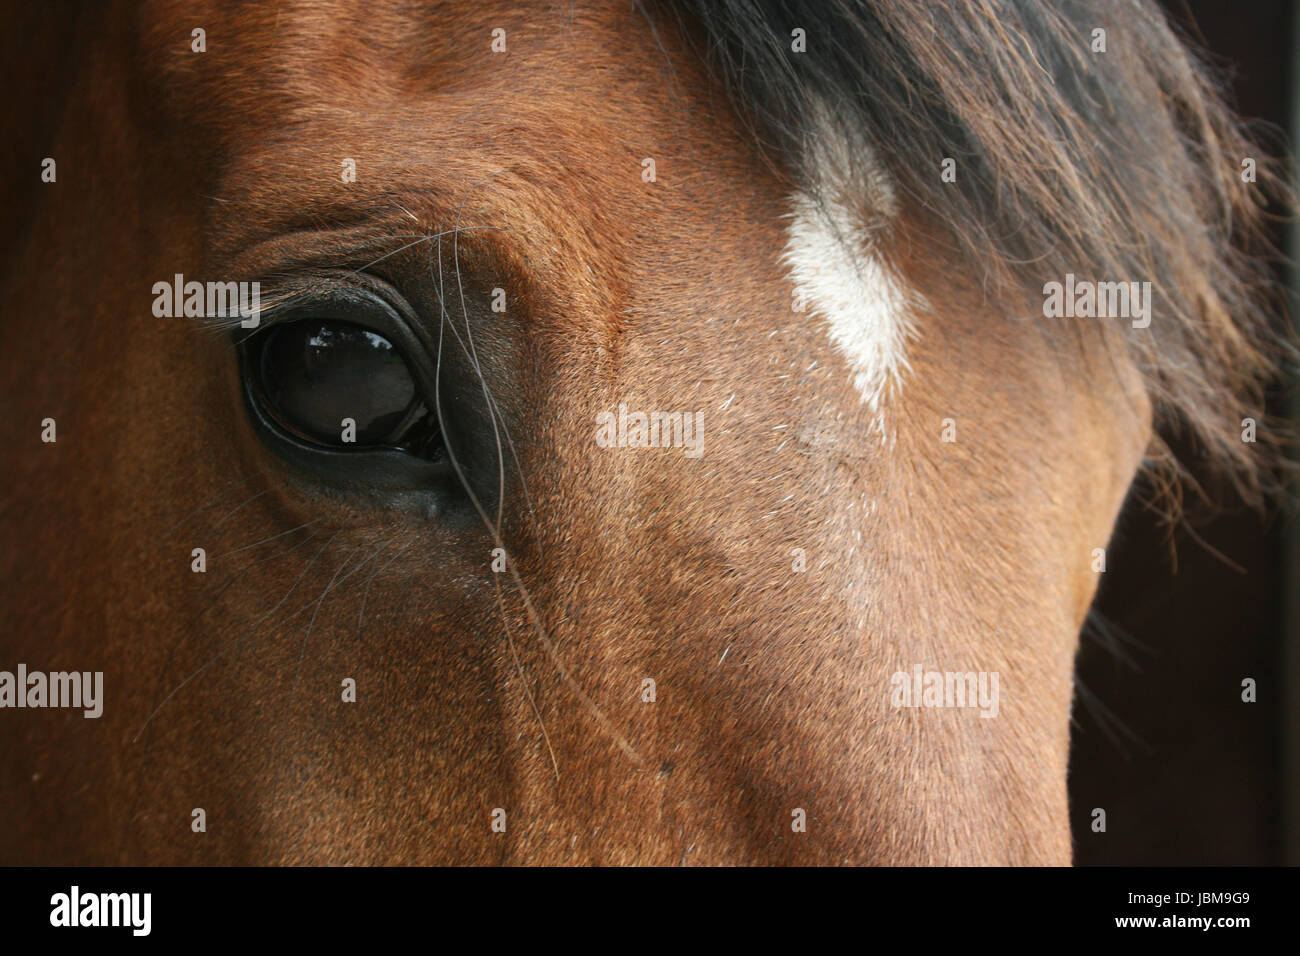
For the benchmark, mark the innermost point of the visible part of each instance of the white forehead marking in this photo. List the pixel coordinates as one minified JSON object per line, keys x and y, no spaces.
{"x":834,"y":258}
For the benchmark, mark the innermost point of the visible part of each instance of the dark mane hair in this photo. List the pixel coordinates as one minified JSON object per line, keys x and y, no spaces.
{"x":1125,"y":165}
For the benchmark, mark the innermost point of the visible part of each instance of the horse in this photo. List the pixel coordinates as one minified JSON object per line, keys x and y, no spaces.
{"x":752,"y":390}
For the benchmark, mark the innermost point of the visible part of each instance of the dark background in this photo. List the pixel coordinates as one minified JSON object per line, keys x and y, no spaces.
{"x":1186,"y":772}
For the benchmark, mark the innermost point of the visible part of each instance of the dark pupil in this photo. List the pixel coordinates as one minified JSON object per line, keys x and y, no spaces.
{"x":316,"y":373}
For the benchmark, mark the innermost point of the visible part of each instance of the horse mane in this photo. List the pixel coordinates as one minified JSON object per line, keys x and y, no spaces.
{"x":1117,"y":166}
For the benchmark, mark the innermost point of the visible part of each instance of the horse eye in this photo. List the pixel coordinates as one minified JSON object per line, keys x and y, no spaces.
{"x":340,"y":385}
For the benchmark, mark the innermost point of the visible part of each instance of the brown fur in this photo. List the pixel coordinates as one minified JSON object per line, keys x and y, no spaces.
{"x":773,"y":687}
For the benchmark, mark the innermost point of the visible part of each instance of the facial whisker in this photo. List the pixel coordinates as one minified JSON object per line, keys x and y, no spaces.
{"x":246,"y":501}
{"x":523,"y":678}
{"x":302,"y":651}
{"x":255,"y":544}
{"x":171,"y":654}
{"x":211,"y":504}
{"x":355,"y":570}
{"x":366,"y":593}
{"x":493,"y":530}
{"x":424,"y":238}
{"x":230,"y":647}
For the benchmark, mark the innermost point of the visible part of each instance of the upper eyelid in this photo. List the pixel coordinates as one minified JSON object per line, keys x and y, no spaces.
{"x":290,"y":293}
{"x":358,"y":246}
{"x":292,"y":267}
{"x":375,"y":242}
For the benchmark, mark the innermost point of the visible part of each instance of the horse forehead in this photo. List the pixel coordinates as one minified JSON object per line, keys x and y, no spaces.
{"x":576,"y":109}
{"x":367,"y":57}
